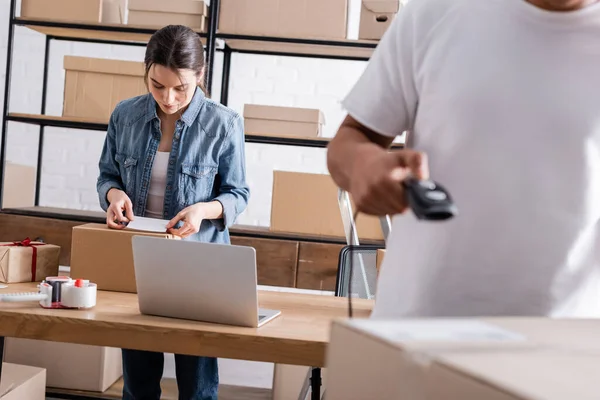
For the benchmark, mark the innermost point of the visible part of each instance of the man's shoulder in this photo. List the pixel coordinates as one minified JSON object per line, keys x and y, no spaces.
{"x":428,"y":13}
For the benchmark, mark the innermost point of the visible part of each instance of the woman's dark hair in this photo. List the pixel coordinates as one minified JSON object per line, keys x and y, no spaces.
{"x":176,"y":47}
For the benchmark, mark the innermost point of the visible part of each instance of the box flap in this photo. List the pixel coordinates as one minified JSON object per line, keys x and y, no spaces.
{"x":128,"y":232}
{"x":104,"y":66}
{"x":172,"y":6}
{"x":382,"y":6}
{"x":279,"y":113}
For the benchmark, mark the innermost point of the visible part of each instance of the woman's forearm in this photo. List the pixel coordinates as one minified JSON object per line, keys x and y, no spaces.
{"x":212,"y":210}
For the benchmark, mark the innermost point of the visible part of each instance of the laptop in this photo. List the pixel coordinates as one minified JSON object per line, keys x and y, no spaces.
{"x":191,"y":280}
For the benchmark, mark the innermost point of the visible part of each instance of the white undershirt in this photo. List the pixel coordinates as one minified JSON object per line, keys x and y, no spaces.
{"x":158,"y":184}
{"x":504,"y":98}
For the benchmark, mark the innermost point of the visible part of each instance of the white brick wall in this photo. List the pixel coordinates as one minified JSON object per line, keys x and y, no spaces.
{"x":70,"y":156}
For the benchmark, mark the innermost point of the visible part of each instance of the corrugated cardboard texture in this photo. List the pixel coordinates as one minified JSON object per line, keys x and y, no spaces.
{"x":68,"y":366}
{"x":94,"y":86}
{"x":172,"y":6}
{"x":547,"y":365}
{"x":161,"y":19}
{"x":21,"y":382}
{"x":307,"y":204}
{"x":63,"y":10}
{"x":105,"y":256}
{"x":376,"y":16}
{"x":285,"y":18}
{"x":283,"y":121}
{"x":15,"y":262}
{"x":19,"y":186}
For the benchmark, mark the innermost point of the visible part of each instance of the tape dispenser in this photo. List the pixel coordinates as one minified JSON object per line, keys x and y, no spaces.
{"x":59,"y":292}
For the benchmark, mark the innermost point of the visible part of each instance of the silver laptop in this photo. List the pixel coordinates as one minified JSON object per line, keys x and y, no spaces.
{"x":198,"y":281}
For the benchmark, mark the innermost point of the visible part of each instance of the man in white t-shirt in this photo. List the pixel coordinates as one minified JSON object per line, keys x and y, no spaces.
{"x":503,"y":98}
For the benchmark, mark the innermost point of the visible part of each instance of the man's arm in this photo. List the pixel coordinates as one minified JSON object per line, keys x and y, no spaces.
{"x":351,"y":142}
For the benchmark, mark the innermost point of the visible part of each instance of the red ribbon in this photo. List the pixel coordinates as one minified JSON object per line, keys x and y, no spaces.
{"x":27,"y":243}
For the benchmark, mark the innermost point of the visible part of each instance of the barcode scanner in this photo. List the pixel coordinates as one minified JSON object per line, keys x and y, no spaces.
{"x":429,"y":200}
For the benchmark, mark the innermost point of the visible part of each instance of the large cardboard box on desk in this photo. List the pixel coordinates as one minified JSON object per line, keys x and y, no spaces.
{"x":94,"y":86}
{"x":376,"y":16}
{"x":326,"y":19}
{"x":105,"y":256}
{"x":81,"y":11}
{"x":159,"y":13}
{"x":464,"y":359}
{"x":307,"y":203}
{"x":28,"y":261}
{"x":283,"y":121}
{"x":22,"y":382}
{"x":68,"y":366}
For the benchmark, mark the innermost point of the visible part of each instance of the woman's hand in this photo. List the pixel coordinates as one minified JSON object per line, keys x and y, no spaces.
{"x":119,"y":202}
{"x":191,"y":217}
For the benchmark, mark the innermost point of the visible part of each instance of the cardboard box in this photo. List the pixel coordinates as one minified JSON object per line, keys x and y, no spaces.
{"x":105,"y":256}
{"x":376,"y":16}
{"x":21,"y":382}
{"x":28,"y":261}
{"x":283,"y":121}
{"x":19,"y":186}
{"x":94,"y":86}
{"x":68,"y":366}
{"x":81,"y":11}
{"x":289,"y":379}
{"x":159,"y":13}
{"x":466,"y":359}
{"x":285,"y":18}
{"x":308,"y":204}
{"x":379,"y":258}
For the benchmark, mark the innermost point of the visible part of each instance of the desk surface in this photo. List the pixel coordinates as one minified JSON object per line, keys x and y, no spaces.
{"x":298,"y":336}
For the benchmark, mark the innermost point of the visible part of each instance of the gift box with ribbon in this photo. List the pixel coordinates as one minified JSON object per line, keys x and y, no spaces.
{"x":28,"y":261}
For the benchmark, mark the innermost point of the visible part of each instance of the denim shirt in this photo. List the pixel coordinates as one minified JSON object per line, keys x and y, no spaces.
{"x":206,"y":163}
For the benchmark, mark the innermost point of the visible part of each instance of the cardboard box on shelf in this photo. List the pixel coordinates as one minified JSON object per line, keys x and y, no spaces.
{"x":94,"y":86}
{"x":379,"y":258}
{"x":376,"y":16}
{"x":22,"y":382}
{"x":19,"y":185}
{"x":285,"y":18}
{"x":28,"y":261}
{"x":68,"y":366}
{"x":80,"y":11}
{"x":105,"y":256}
{"x":307,"y":203}
{"x":283,"y":121}
{"x":159,"y":13}
{"x":466,"y":359}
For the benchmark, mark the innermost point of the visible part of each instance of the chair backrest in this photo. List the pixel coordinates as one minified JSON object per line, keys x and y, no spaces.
{"x":363,"y":259}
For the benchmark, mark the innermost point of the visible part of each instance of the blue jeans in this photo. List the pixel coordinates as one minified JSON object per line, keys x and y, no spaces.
{"x":197,"y":377}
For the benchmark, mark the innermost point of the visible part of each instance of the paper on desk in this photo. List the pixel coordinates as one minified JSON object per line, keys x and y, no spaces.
{"x":148,"y":224}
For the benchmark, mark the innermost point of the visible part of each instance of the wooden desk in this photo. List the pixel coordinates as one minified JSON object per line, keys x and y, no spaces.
{"x":299,"y":336}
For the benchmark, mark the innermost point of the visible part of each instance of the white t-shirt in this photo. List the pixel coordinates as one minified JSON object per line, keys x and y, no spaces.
{"x":158,"y":184}
{"x":504,"y":98}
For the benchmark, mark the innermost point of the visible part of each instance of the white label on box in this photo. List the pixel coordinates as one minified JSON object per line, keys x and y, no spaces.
{"x":439,"y":330}
{"x":148,"y":224}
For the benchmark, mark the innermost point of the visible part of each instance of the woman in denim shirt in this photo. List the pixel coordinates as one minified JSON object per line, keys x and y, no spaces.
{"x":174,"y":154}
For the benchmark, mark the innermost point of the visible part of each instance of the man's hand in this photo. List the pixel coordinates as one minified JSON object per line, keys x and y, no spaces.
{"x":191,"y":217}
{"x":119,"y":202}
{"x":376,"y":181}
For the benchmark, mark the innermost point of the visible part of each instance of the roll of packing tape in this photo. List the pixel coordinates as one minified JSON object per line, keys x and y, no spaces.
{"x":79,"y":296}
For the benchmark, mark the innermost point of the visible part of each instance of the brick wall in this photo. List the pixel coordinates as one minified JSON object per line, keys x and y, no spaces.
{"x":70,"y":156}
